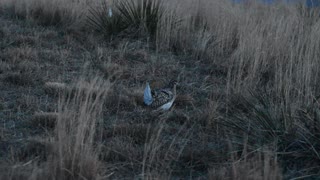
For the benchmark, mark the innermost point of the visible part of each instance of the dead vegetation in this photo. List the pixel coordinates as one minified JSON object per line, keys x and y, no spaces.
{"x":72,"y":77}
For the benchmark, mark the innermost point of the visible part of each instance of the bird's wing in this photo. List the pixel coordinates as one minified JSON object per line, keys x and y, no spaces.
{"x":147,"y":97}
{"x":161,"y":97}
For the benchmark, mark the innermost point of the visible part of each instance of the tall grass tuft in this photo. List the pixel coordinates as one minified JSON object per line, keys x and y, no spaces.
{"x":47,"y":13}
{"x":76,"y":152}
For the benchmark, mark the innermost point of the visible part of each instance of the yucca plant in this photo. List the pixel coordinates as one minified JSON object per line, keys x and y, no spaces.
{"x":264,"y":118}
{"x":135,"y":17}
{"x":105,"y":20}
{"x":142,"y":15}
{"x":257,"y":115}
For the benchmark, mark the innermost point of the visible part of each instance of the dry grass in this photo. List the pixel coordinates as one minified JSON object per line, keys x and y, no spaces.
{"x":47,"y":13}
{"x":45,"y":119}
{"x":77,"y":153}
{"x":73,"y":151}
{"x":55,"y":88}
{"x":248,"y":76}
{"x":255,"y":165}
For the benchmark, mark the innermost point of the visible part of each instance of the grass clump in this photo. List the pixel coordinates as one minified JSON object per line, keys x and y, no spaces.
{"x":263,"y":119}
{"x":76,"y":129}
{"x":258,"y":116}
{"x":259,"y":165}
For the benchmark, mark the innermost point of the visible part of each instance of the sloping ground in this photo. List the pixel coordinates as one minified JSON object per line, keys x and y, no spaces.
{"x":136,"y":141}
{"x":247,"y":106}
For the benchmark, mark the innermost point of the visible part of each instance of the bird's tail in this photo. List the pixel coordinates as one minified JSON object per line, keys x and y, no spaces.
{"x":147,"y":97}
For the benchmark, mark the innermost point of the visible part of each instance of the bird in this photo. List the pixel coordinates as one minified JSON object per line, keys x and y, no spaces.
{"x":160,"y":99}
{"x":110,"y":12}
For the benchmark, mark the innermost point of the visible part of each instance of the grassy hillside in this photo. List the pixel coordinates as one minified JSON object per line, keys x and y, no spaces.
{"x":72,"y":75}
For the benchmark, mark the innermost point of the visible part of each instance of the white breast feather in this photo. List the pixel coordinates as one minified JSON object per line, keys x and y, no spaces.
{"x":167,"y":105}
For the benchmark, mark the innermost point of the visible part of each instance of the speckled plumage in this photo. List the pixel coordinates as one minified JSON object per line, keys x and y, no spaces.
{"x":160,"y":98}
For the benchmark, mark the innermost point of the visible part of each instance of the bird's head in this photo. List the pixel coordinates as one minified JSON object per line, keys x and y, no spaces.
{"x":173,"y":83}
